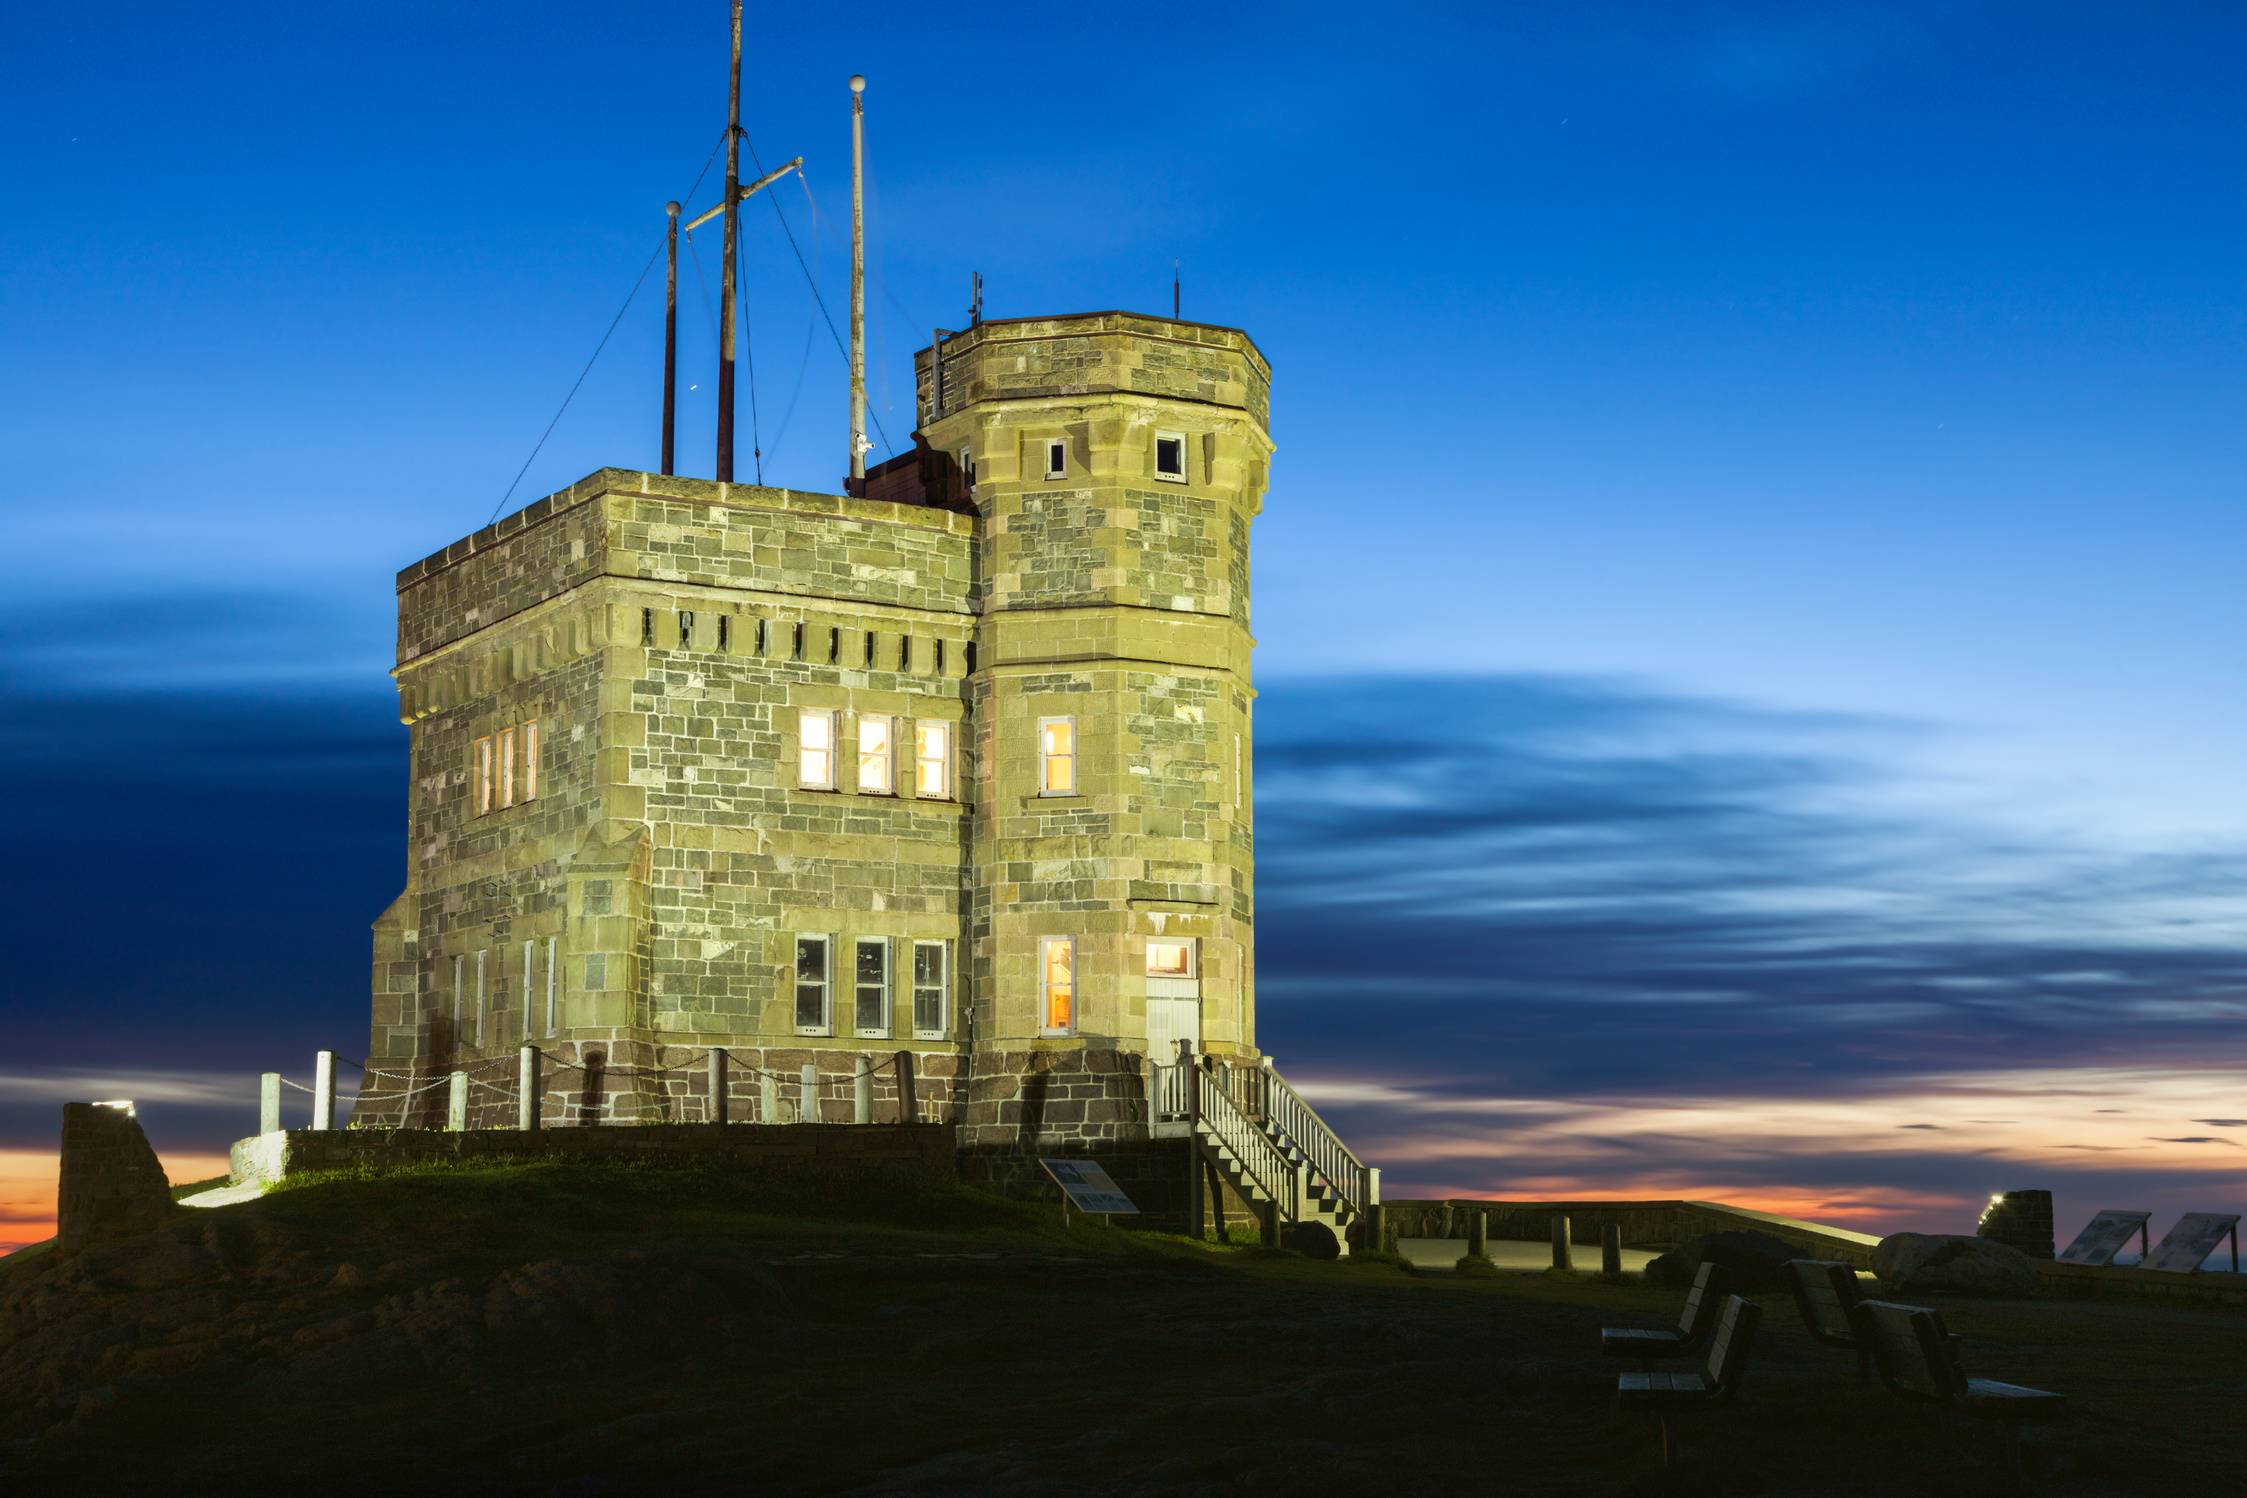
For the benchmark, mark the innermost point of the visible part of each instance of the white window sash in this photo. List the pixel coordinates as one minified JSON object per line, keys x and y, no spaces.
{"x":941,"y":989}
{"x":879,"y":1025}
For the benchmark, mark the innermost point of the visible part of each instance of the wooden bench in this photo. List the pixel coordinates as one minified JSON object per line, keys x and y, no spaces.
{"x":1827,"y":1295}
{"x":1918,"y":1359}
{"x":1668,"y":1394}
{"x":1702,"y":1306}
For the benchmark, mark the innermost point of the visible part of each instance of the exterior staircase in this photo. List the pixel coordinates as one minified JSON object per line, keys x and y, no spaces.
{"x":1265,"y":1142}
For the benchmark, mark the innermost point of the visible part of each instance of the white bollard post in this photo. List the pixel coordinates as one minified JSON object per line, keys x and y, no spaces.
{"x":862,"y":1110}
{"x":456,"y":1103}
{"x":807,"y":1094}
{"x":269,"y":1103}
{"x":717,"y":1112}
{"x":768,"y":1095}
{"x":526,"y":1089}
{"x":323,"y":1090}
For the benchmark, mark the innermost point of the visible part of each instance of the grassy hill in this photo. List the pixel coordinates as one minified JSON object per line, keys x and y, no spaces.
{"x":562,"y":1328}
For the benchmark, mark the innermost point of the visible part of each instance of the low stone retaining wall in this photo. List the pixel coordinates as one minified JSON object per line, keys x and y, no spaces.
{"x":924,"y":1150}
{"x":1656,"y":1224}
{"x":2128,"y":1282}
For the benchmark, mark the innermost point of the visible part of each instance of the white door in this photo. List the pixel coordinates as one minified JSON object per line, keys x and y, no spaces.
{"x":1170,"y":1021}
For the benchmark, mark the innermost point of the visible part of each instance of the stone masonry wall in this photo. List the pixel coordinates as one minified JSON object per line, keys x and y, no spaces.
{"x":112,"y":1185}
{"x":922,"y":1150}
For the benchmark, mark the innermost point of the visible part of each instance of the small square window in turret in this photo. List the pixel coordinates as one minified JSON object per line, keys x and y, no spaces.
{"x":1170,"y":457}
{"x":1056,"y":458}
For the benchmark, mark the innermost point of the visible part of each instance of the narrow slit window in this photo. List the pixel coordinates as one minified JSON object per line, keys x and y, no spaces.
{"x":1056,"y":458}
{"x":760,"y":637}
{"x":647,"y":626}
{"x":725,"y":632}
{"x":553,"y":981}
{"x":480,"y":777}
{"x":530,"y":971}
{"x":483,"y":990}
{"x":815,"y":751}
{"x":871,"y":1013}
{"x":928,"y":990}
{"x":798,"y":651}
{"x":1057,"y":756}
{"x":686,"y":629}
{"x":940,"y":655}
{"x":904,"y":652}
{"x":1170,"y":456}
{"x":877,"y":754}
{"x":527,"y":775}
{"x":460,"y":983}
{"x":869,"y":648}
{"x":811,"y":985}
{"x":835,"y":646}
{"x":505,"y":767}
{"x":1057,"y":965}
{"x":967,"y":467}
{"x":932,"y":759}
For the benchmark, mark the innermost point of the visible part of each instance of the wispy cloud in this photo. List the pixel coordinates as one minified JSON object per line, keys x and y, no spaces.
{"x":1473,"y":894}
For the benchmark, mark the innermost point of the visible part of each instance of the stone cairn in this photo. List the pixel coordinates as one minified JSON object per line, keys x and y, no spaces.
{"x":112,"y":1183}
{"x":2019,"y":1219}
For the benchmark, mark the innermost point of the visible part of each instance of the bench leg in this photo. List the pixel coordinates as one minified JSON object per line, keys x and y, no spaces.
{"x":1669,"y":1443}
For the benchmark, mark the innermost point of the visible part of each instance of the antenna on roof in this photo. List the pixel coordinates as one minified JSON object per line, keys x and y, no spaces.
{"x":975,"y":306}
{"x":858,"y":443}
{"x":732,"y":242}
{"x":1174,"y":290}
{"x":671,"y":337}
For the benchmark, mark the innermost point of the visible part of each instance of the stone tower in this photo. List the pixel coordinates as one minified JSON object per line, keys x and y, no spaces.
{"x":960,"y":767}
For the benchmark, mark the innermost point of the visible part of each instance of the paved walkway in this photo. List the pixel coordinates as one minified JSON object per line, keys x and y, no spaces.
{"x":1510,"y":1253}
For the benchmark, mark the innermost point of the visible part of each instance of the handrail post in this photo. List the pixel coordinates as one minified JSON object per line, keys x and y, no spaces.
{"x":807,"y":1094}
{"x":768,"y":1095}
{"x":717,"y":1109}
{"x":268,"y":1102}
{"x":323,"y":1090}
{"x":862,"y":1095}
{"x":456,"y":1103}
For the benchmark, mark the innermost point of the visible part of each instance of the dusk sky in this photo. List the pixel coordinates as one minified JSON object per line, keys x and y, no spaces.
{"x":1750,"y":632}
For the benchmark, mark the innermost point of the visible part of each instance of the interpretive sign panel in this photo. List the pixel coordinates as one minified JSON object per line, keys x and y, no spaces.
{"x":1088,"y":1186}
{"x":2099,"y":1242}
{"x":2193,"y":1239}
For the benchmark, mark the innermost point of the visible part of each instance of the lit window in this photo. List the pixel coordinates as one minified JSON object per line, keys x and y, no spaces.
{"x":503,"y":769}
{"x":872,"y":1012}
{"x":811,"y":985}
{"x":1057,"y":965}
{"x":1057,"y":756}
{"x":815,"y":751}
{"x":932,"y":758}
{"x":877,"y":752}
{"x":1170,"y":456}
{"x":1170,"y":959}
{"x":480,"y":777}
{"x":1056,"y":458}
{"x":928,"y":990}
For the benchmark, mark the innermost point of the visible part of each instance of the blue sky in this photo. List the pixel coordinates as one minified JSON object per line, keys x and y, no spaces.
{"x":1747,"y":593}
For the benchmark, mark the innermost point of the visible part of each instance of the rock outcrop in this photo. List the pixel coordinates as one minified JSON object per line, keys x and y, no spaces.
{"x":1915,"y":1263}
{"x":1751,"y":1260}
{"x":232,"y":1298}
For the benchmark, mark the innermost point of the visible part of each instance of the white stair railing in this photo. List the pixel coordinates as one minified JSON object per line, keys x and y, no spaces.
{"x":1258,"y":1156}
{"x":1264,"y":1095}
